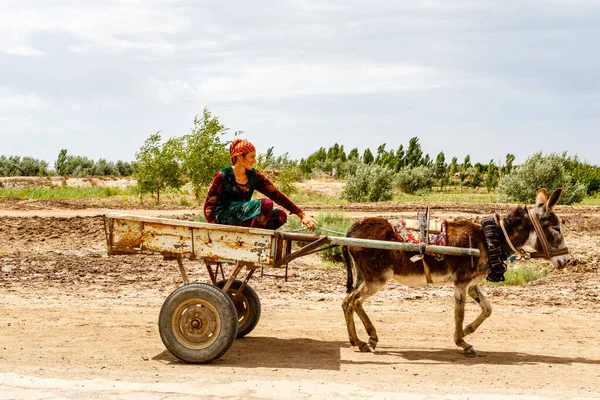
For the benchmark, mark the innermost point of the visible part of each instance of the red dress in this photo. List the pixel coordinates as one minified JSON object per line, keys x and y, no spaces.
{"x":228,"y":202}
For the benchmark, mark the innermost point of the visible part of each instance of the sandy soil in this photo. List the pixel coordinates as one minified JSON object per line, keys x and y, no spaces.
{"x":75,"y":323}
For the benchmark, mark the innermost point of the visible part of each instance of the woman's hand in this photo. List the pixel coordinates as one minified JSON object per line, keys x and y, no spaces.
{"x":308,"y":221}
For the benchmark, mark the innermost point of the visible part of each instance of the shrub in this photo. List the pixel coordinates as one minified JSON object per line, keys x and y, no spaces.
{"x":540,"y":171}
{"x":286,"y":180}
{"x":414,"y":179}
{"x":521,"y":274}
{"x":369,"y":183}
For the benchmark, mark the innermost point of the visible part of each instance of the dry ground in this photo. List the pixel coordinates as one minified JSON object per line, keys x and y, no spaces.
{"x":75,"y":323}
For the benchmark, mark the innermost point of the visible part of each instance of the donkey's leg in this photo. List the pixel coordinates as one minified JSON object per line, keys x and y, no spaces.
{"x":486,"y":309}
{"x":349,"y":316}
{"x":364,"y":291}
{"x":460,"y":292}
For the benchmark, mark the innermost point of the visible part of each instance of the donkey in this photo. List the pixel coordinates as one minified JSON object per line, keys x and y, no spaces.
{"x":522,"y":228}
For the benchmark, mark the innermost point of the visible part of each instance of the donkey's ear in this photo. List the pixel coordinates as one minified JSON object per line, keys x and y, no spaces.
{"x":541,"y":198}
{"x":554,"y":198}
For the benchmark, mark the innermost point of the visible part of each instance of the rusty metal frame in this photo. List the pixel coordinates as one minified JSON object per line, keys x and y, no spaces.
{"x":280,"y":244}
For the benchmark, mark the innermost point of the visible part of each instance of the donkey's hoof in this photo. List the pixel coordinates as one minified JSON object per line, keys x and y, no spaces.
{"x":364,"y":348}
{"x":372,"y":344}
{"x":471,"y":352}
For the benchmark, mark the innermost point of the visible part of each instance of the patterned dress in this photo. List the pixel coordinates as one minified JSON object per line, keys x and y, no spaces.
{"x":230,"y":203}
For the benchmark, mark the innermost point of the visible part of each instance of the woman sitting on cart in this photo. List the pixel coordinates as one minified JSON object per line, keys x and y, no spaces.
{"x":229,"y":200}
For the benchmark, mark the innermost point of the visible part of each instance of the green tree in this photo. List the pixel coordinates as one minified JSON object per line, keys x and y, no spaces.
{"x":508,"y":167}
{"x":60,"y":165}
{"x":368,"y":156}
{"x":414,"y":154}
{"x":354,"y":155}
{"x":158,"y":166}
{"x":467,"y":162}
{"x":440,"y":169}
{"x":540,"y":171}
{"x":369,"y":183}
{"x":411,"y":180}
{"x":491,"y":178}
{"x":204,"y":151}
{"x":400,"y":158}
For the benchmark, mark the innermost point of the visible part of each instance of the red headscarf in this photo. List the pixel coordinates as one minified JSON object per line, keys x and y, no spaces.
{"x":239,"y":147}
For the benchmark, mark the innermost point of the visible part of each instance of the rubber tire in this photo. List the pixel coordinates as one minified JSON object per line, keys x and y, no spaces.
{"x":214,"y":299}
{"x":249,"y":300}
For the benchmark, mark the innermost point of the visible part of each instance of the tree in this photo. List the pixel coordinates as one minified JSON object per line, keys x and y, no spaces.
{"x":353,"y":155}
{"x":440,"y":168}
{"x":158,"y":166}
{"x":204,"y":151}
{"x":368,"y":156}
{"x":400,"y":158}
{"x":537,"y":172}
{"x":381,"y":152}
{"x":414,"y":154}
{"x":510,"y":159}
{"x":60,"y":165}
{"x":453,"y":168}
{"x":467,"y":162}
{"x":491,"y":178}
{"x":414,"y":179}
{"x":369,"y":183}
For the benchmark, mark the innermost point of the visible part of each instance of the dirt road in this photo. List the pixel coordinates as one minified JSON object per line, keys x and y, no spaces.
{"x":77,"y":324}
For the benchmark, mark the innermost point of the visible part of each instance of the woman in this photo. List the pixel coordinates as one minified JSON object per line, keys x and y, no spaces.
{"x":229,"y":200}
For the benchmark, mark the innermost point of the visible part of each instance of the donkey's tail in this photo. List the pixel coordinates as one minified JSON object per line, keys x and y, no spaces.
{"x":349,"y":269}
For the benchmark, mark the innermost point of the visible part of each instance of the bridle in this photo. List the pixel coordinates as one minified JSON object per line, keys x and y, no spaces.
{"x":546,"y":253}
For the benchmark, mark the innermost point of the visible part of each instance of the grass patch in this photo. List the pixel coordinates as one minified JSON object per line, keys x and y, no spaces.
{"x":590,"y":201}
{"x":200,"y":217}
{"x":65,"y":192}
{"x":306,"y":197}
{"x":450,"y":197}
{"x":332,"y":222}
{"x":521,"y":274}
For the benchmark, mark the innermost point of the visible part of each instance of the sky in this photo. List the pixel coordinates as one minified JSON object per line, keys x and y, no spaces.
{"x":478,"y":78}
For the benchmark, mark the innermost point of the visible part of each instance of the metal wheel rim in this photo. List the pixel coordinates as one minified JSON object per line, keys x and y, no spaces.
{"x":241,"y":307}
{"x":196,"y":324}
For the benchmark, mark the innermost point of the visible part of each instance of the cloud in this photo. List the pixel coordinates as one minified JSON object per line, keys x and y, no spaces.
{"x":11,"y":102}
{"x":460,"y":74}
{"x":269,"y":82}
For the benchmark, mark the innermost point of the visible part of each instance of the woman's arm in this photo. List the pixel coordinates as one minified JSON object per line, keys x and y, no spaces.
{"x":212,"y":198}
{"x":264,"y":186}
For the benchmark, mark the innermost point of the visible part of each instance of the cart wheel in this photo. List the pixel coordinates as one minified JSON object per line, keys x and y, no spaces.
{"x":197,"y":323}
{"x":247,"y":305}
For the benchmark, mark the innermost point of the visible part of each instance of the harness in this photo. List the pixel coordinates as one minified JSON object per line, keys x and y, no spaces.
{"x":493,"y":242}
{"x":497,"y":256}
{"x":541,"y":236}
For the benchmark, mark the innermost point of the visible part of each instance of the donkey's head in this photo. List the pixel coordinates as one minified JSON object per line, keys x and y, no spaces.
{"x":546,"y":236}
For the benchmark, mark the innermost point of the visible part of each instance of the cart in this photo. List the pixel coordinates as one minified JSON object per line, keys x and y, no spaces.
{"x":198,"y":322}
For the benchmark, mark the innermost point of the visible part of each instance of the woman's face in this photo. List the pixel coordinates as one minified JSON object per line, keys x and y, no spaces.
{"x":248,"y":160}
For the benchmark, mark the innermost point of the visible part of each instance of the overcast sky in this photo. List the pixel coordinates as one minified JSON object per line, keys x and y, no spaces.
{"x":483,"y":78}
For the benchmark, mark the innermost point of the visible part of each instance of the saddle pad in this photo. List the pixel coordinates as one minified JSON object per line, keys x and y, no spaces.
{"x":406,"y":235}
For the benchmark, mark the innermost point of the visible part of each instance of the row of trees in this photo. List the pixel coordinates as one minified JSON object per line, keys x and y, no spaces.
{"x":65,"y":165}
{"x":369,"y":176}
{"x":26,"y":166}
{"x":417,"y":170}
{"x":71,"y":165}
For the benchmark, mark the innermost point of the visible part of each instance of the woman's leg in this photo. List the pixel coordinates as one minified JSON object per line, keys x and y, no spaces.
{"x":261,"y":220}
{"x":277,"y":219}
{"x":268,"y":218}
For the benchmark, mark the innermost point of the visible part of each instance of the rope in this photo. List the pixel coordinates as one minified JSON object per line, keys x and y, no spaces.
{"x":320,"y":229}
